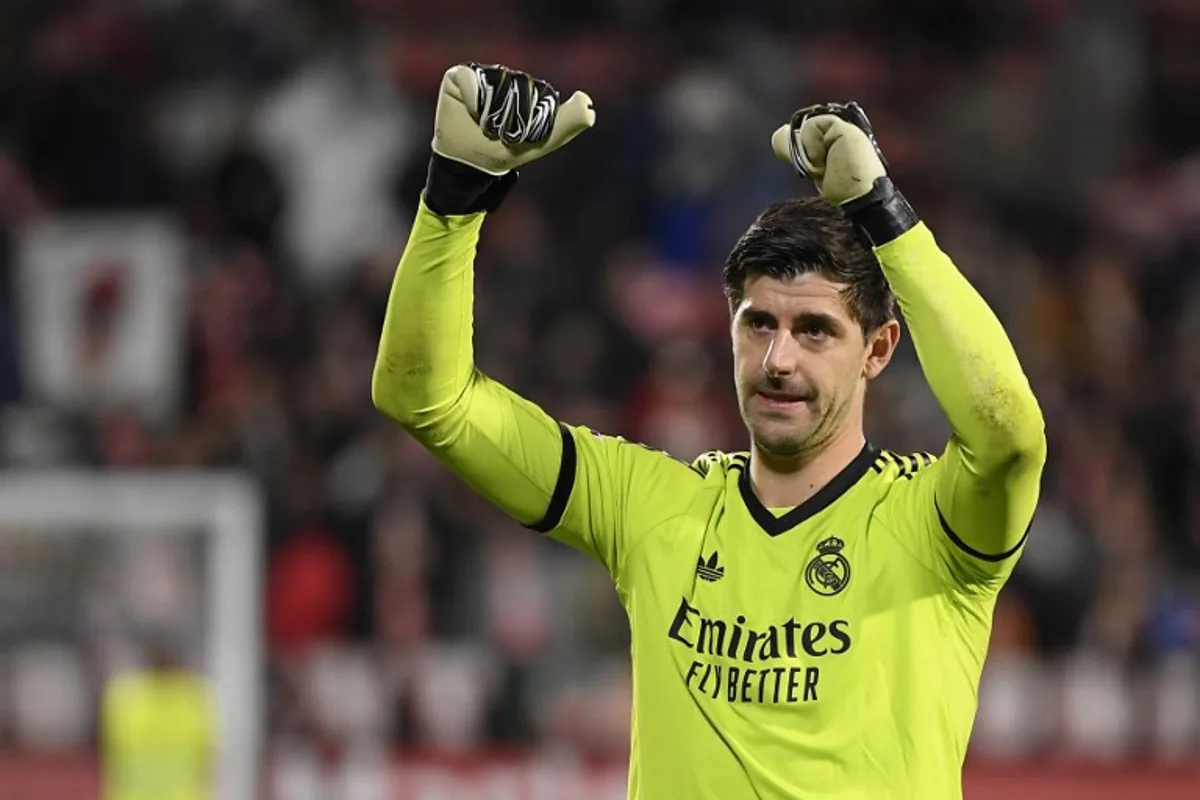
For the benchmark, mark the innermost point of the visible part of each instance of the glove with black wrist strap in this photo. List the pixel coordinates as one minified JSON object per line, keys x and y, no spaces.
{"x":490,"y":120}
{"x":832,"y":144}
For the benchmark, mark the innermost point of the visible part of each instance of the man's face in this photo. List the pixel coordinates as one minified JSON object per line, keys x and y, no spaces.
{"x":801,"y":362}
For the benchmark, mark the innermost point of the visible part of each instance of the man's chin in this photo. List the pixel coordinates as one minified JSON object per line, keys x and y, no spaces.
{"x":776,"y":439}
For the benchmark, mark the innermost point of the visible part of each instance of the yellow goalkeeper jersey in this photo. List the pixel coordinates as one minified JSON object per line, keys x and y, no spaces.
{"x":831,"y":650}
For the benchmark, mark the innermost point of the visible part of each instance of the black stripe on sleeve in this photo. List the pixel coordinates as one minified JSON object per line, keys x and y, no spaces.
{"x":966,"y":548}
{"x":562,"y":487}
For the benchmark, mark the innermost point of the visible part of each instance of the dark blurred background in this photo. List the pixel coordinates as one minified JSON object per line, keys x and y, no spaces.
{"x":201,"y":207}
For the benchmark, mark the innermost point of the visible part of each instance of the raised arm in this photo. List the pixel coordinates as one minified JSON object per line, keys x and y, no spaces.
{"x":982,"y":493}
{"x":549,"y":476}
{"x":425,"y":377}
{"x":988,"y":478}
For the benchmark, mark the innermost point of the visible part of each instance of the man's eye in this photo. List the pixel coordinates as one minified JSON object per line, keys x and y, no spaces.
{"x":815,"y":332}
{"x":759,"y":325}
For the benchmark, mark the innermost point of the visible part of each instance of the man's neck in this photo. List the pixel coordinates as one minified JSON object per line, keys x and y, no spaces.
{"x":790,"y":484}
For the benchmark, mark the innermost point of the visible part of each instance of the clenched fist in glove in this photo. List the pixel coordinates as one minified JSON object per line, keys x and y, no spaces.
{"x":490,"y":120}
{"x":833,"y":145}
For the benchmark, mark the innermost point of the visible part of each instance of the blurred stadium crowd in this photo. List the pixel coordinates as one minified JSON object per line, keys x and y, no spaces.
{"x":1051,"y":144}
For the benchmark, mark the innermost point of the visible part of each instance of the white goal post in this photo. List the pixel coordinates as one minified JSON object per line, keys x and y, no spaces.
{"x":225,"y":507}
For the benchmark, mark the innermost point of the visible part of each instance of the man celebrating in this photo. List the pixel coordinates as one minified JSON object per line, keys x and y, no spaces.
{"x":809,"y":618}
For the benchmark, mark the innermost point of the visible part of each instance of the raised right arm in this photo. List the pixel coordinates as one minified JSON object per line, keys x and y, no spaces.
{"x":578,"y":487}
{"x":425,"y":377}
{"x":563,"y":480}
{"x":490,"y":120}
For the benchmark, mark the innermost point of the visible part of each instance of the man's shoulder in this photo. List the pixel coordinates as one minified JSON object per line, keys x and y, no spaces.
{"x":645,"y":458}
{"x":895,"y":483}
{"x":903,"y":484}
{"x":895,"y":468}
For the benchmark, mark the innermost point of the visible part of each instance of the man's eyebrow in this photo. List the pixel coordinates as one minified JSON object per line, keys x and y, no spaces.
{"x":802,"y":318}
{"x":820,"y":318}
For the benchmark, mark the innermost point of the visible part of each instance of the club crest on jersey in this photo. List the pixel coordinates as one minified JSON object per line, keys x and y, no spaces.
{"x":829,"y":571}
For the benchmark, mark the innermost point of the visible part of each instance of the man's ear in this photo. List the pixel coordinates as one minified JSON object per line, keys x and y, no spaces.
{"x":881,"y":345}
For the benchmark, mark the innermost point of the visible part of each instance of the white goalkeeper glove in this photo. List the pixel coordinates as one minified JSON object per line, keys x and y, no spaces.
{"x":832,"y":144}
{"x":496,"y":119}
{"x":490,"y":120}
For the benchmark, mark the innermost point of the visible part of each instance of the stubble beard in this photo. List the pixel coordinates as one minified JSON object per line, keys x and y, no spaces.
{"x":792,"y":440}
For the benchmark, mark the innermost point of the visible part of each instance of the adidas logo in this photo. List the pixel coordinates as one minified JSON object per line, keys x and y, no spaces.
{"x":710,"y":570}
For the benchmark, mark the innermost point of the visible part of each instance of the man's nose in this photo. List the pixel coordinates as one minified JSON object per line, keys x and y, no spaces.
{"x":780,"y":359}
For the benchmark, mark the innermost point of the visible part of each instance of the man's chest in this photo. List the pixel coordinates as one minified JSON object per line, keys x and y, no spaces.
{"x":740,"y":615}
{"x":727,"y":562}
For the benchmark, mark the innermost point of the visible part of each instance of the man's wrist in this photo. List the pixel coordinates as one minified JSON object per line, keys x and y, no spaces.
{"x":453,"y":188}
{"x":882,"y":214}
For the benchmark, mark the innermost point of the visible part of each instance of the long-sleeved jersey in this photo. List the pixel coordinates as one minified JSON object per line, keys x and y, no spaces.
{"x":830,"y":650}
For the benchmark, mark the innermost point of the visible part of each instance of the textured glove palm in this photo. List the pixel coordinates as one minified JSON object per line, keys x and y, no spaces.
{"x":832,"y":144}
{"x":495,"y":119}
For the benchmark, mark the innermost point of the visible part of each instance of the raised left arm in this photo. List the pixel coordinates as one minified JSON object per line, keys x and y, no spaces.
{"x":988,"y":478}
{"x":987,"y":482}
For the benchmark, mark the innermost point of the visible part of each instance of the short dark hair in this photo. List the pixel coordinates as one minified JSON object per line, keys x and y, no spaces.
{"x":794,"y":237}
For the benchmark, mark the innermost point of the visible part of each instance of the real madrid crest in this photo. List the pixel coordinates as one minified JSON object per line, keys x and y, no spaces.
{"x":829,"y":571}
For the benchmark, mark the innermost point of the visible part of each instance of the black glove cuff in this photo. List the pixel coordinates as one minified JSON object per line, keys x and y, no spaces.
{"x":453,"y":188}
{"x":882,"y":214}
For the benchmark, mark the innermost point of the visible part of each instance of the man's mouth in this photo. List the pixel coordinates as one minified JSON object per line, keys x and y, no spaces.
{"x":779,"y":398}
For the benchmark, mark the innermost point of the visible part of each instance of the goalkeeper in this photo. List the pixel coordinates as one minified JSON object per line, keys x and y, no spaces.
{"x":809,"y":617}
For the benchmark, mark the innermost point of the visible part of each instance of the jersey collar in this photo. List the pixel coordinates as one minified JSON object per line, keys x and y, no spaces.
{"x":825,"y":496}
